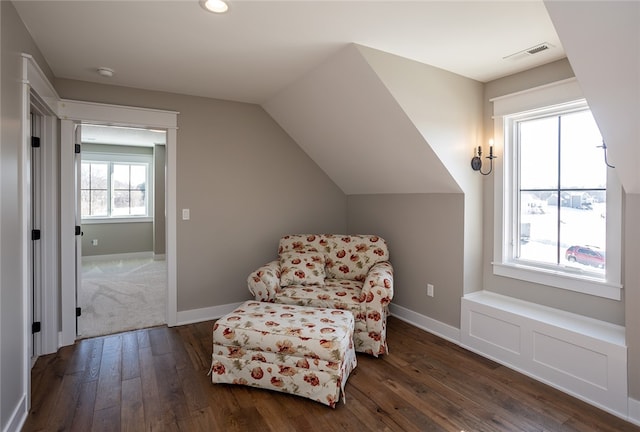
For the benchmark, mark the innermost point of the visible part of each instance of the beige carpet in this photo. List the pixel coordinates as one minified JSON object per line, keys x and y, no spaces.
{"x":121,"y":294}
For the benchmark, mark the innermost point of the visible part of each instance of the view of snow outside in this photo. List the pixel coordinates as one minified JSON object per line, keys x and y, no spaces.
{"x":122,"y":193}
{"x":562,"y":200}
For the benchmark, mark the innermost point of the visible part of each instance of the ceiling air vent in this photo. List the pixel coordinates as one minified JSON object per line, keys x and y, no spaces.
{"x":529,"y":51}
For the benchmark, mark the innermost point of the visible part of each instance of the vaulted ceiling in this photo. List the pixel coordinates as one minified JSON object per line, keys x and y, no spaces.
{"x":259,"y":47}
{"x":260,"y":51}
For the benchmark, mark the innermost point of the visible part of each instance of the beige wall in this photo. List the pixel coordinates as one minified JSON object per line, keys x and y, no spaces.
{"x":117,"y":238}
{"x":14,"y":39}
{"x":632,"y":290}
{"x":245,"y":181}
{"x":425,"y":234}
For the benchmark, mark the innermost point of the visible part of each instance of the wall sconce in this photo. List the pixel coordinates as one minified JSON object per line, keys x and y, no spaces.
{"x":476,"y":161}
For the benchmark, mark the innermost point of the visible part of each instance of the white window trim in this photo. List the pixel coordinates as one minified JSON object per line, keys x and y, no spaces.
{"x":123,"y":158}
{"x":558,"y":93}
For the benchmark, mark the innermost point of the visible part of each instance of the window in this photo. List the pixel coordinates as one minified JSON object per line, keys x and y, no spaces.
{"x":557,"y":203}
{"x":561,"y":190}
{"x":115,"y":186}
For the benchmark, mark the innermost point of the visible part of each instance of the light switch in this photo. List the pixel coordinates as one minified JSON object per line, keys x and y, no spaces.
{"x":185,"y":214}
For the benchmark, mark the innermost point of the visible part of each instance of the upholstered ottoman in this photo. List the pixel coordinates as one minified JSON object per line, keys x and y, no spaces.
{"x":293,"y":349}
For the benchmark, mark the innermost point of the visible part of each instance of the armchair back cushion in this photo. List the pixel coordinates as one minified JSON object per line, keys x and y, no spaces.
{"x":347,"y":257}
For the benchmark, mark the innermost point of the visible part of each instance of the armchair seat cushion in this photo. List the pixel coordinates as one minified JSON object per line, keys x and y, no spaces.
{"x":334,"y":293}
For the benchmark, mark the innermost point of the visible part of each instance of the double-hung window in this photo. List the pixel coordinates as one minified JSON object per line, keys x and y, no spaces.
{"x":558,"y":203}
{"x":115,"y":186}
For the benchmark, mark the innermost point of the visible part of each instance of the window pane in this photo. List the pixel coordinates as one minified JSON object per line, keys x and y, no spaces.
{"x":85,"y":176}
{"x":99,"y":203}
{"x":120,"y":205}
{"x":138,"y":177}
{"x":121,"y":176}
{"x":582,"y":160}
{"x":85,"y":202}
{"x":539,"y":227}
{"x":138,"y":206}
{"x":539,"y":153}
{"x":583,"y":235}
{"x":99,"y":175}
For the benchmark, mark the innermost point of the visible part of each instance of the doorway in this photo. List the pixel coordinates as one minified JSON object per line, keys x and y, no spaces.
{"x":73,"y":113}
{"x":122,"y":275}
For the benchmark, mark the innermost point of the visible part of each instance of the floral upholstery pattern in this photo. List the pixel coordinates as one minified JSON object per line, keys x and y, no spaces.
{"x":302,"y":268}
{"x":359,"y":278}
{"x":293,"y":349}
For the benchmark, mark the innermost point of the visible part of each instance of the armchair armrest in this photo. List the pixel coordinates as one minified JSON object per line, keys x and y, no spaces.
{"x":377,"y":292}
{"x":264,"y":283}
{"x":378,"y":285}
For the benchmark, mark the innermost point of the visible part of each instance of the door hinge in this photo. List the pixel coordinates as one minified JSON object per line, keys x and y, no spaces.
{"x":35,"y":234}
{"x":78,"y":312}
{"x":78,"y":230}
{"x":35,"y":327}
{"x":35,"y":142}
{"x":77,"y":148}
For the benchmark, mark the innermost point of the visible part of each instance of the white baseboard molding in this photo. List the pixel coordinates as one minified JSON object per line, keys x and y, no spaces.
{"x":110,"y":257}
{"x":204,"y":314}
{"x":438,"y":328}
{"x":580,"y":356}
{"x":634,"y":411}
{"x":159,"y":257}
{"x":18,"y":416}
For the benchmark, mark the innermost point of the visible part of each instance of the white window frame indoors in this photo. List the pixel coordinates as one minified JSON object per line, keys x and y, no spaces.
{"x":506,"y":111}
{"x":122,"y":158}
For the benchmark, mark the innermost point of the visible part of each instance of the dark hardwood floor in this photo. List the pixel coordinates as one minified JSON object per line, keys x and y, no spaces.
{"x":156,"y":380}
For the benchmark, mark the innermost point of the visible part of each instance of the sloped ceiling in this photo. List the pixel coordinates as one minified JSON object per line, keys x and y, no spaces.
{"x":259,"y":47}
{"x":603,"y":47}
{"x":345,"y":117}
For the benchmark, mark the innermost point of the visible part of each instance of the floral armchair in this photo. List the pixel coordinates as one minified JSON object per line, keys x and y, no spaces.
{"x":349,"y":272}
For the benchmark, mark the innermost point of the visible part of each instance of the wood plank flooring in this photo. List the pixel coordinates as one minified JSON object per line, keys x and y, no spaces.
{"x":156,"y":380}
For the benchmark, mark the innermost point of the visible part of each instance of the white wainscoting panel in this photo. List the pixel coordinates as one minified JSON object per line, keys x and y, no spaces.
{"x":584,"y":357}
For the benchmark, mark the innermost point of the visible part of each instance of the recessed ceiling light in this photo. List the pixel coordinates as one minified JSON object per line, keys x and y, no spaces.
{"x":215,"y":6}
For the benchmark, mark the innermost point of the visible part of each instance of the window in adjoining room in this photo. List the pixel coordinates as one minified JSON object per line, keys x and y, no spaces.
{"x":558,"y":205}
{"x":115,"y":186}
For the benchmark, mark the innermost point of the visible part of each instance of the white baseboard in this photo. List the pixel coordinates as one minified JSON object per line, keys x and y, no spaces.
{"x":18,"y":416}
{"x":204,"y":314}
{"x":438,"y":328}
{"x":130,"y":255}
{"x":159,"y":257}
{"x":634,"y":411}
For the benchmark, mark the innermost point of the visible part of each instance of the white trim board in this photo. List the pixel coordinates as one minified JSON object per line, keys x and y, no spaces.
{"x":18,"y":416}
{"x":634,"y":411}
{"x":438,"y":328}
{"x":205,"y":314}
{"x":120,"y":256}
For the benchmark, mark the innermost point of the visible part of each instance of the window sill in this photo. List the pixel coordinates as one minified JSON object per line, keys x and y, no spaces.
{"x":116,"y":220}
{"x":557,"y":279}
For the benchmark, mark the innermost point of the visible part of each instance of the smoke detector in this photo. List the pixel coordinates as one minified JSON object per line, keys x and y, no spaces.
{"x":105,"y":72}
{"x":536,"y":49}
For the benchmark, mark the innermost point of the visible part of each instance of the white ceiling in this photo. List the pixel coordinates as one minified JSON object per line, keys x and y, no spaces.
{"x":120,"y":135}
{"x":260,"y":47}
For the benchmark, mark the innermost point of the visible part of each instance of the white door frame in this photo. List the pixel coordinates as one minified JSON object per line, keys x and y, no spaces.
{"x":72,"y":112}
{"x":38,"y":92}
